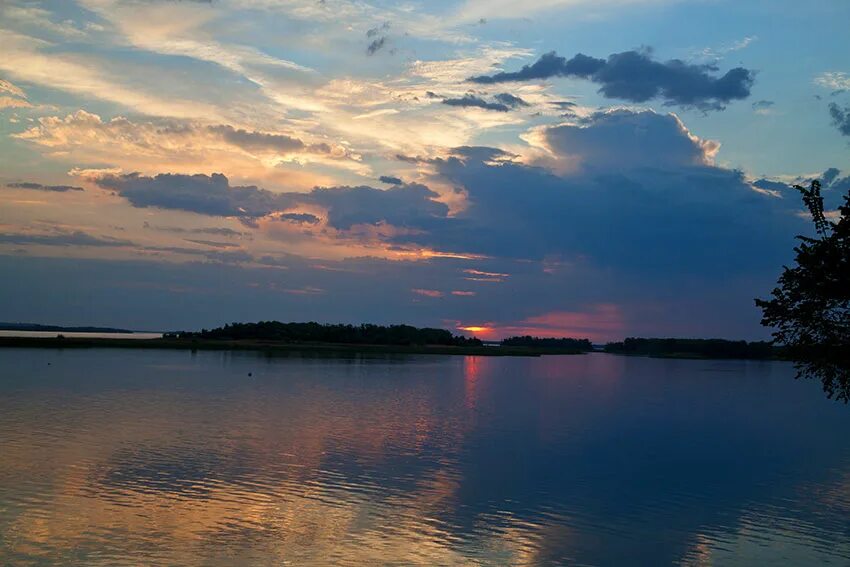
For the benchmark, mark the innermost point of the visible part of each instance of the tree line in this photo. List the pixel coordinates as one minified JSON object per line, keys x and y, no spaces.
{"x":313,"y":332}
{"x":700,"y":348}
{"x":581,"y":345}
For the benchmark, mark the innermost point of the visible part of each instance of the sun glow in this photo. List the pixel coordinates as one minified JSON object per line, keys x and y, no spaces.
{"x":476,"y":329}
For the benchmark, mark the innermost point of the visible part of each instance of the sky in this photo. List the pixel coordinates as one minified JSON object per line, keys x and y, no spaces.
{"x":585,"y":168}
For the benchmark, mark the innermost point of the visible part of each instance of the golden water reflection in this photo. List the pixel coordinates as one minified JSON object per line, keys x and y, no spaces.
{"x":422,"y":461}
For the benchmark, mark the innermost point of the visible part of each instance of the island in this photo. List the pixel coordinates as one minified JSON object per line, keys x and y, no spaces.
{"x":34,"y":327}
{"x":312,"y":337}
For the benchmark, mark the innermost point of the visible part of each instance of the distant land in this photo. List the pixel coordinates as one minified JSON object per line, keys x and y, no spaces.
{"x":368,"y":338}
{"x":58,"y":328}
{"x":695,"y":348}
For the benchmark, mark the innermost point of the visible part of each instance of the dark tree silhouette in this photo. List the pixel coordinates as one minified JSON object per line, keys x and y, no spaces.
{"x":579,"y":345}
{"x":340,"y":334}
{"x":810,"y":308}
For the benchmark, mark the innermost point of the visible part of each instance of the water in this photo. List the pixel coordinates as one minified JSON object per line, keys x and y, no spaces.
{"x":124,"y":457}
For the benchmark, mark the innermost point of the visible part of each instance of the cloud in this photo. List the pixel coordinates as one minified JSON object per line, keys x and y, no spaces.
{"x":10,"y":102}
{"x":299,"y":218}
{"x":9,"y":88}
{"x":407,"y":206}
{"x":433,"y":293}
{"x":634,"y":76}
{"x":622,"y":139}
{"x":390,"y":180}
{"x":188,"y":146}
{"x":410,"y":206}
{"x":510,"y":100}
{"x":12,"y":96}
{"x":213,"y":230}
{"x":840,"y":118}
{"x":834,"y":80}
{"x":504,"y":102}
{"x":211,"y":243}
{"x":639,"y":194}
{"x":763,"y":106}
{"x":204,"y":194}
{"x":163,"y":136}
{"x":40,"y":187}
{"x":830,"y":175}
{"x":376,"y":45}
{"x":258,"y":140}
{"x":372,"y":32}
{"x":63,"y":238}
{"x":469,"y":100}
{"x":717,"y":53}
{"x":30,"y":59}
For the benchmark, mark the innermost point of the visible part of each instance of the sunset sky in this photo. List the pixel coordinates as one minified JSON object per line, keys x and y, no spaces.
{"x":590,"y":168}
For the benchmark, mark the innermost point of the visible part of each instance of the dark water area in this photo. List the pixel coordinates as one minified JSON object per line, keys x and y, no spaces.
{"x":127,"y":457}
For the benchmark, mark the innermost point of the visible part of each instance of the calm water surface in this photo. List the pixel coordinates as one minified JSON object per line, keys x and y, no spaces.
{"x":123,"y":457}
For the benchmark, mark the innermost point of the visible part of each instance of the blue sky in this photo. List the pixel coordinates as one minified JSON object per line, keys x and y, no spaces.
{"x":563,"y":167}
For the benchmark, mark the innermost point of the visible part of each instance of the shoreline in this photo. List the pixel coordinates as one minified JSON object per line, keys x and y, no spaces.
{"x":330,"y":348}
{"x":273,"y":346}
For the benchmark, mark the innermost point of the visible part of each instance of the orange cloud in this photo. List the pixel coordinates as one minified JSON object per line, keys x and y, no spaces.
{"x":427,"y":292}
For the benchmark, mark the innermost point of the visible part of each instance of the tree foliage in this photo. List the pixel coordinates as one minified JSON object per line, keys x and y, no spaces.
{"x":696,"y":348}
{"x":339,"y":334}
{"x":580,"y":345}
{"x":809,"y":310}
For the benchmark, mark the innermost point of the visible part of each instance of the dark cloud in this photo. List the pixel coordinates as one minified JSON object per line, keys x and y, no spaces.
{"x":213,"y":230}
{"x":40,"y":187}
{"x":563,"y":104}
{"x":622,"y":139}
{"x":390,"y":180}
{"x":204,"y":194}
{"x":376,"y":45}
{"x":641,"y":196}
{"x":410,"y":205}
{"x":840,"y":118}
{"x":210,"y":243}
{"x":299,"y":218}
{"x":253,"y":140}
{"x":838,"y":187}
{"x":63,"y":238}
{"x":469,"y":100}
{"x":258,"y":140}
{"x":763,"y":104}
{"x":503,"y":102}
{"x":549,"y":65}
{"x":830,"y":175}
{"x":772,"y":185}
{"x":378,"y":29}
{"x":510,"y":100}
{"x":636,"y":77}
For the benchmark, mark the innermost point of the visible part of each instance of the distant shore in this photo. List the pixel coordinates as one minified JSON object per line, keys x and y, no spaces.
{"x":272,"y":346}
{"x":332,"y":348}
